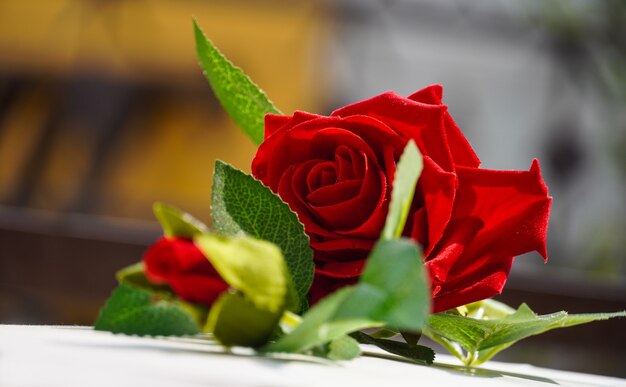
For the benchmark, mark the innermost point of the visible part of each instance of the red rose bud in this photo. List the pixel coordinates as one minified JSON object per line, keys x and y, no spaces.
{"x":180,"y":264}
{"x":337,"y":174}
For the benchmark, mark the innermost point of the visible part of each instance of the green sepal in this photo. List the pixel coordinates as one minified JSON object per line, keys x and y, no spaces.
{"x":319,"y":325}
{"x":254,"y":267}
{"x":242,"y":204}
{"x":135,"y":275}
{"x":235,"y":321}
{"x":177,"y":223}
{"x":392,"y":291}
{"x":244,"y":101}
{"x":393,"y":287}
{"x":342,"y":348}
{"x":408,"y":171}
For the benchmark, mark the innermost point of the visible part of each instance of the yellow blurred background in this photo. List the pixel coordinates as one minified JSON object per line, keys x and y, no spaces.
{"x":137,"y":120}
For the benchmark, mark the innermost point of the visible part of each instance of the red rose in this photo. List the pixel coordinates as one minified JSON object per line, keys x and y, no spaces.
{"x":180,"y":264}
{"x":337,"y":173}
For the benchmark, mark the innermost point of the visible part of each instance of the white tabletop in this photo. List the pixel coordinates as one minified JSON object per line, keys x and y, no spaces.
{"x":79,"y":356}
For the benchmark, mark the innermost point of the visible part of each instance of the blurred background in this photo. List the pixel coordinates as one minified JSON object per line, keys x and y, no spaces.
{"x":103,"y":110}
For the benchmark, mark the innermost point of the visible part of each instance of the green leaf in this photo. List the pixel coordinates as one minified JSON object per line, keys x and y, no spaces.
{"x":482,"y":339}
{"x":411,"y":338}
{"x":418,"y":353}
{"x":136,"y":311}
{"x":176,"y":223}
{"x":319,"y":325}
{"x":240,"y":203}
{"x":392,"y":291}
{"x":241,"y":98}
{"x":235,"y":321}
{"x":134,"y":275}
{"x":254,"y":267}
{"x":383,"y":333}
{"x":342,"y":348}
{"x":408,"y":172}
{"x":488,"y":309}
{"x":584,"y":318}
{"x":393,"y":287}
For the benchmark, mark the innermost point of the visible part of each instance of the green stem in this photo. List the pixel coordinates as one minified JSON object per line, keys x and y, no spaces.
{"x":449,"y":346}
{"x":470,"y":358}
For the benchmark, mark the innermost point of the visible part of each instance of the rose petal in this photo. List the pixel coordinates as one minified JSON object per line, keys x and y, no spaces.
{"x":430,"y":94}
{"x":350,"y":164}
{"x":389,"y":156}
{"x":273,"y":122}
{"x":338,"y":247}
{"x":325,"y":143}
{"x":302,"y":174}
{"x":458,"y":236}
{"x":178,"y":263}
{"x":321,"y":174}
{"x":337,"y":269}
{"x":375,"y":133}
{"x":437,"y":189}
{"x":353,"y":212}
{"x":158,"y":265}
{"x":287,"y":192}
{"x":198,"y":288}
{"x":411,"y":120}
{"x":345,"y":170}
{"x":172,"y":256}
{"x":460,"y":149}
{"x":417,"y":224}
{"x":473,"y":289}
{"x":304,"y":138}
{"x":294,"y":143}
{"x":331,"y":195}
{"x":514,"y":206}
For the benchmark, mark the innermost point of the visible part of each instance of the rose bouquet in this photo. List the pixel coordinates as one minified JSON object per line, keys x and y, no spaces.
{"x":377,"y":217}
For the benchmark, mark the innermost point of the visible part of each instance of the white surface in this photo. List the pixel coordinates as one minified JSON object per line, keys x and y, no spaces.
{"x":73,"y":356}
